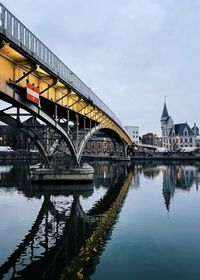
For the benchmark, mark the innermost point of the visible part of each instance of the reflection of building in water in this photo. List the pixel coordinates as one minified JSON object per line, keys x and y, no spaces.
{"x":168,"y":186}
{"x":151,"y":171}
{"x":135,"y":183}
{"x":4,"y":169}
{"x":178,"y":177}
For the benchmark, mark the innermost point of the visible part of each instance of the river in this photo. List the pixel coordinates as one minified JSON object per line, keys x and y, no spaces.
{"x":135,"y":221}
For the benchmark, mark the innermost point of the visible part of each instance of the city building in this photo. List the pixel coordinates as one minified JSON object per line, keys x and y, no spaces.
{"x":179,"y":135}
{"x":99,"y":144}
{"x":151,"y":139}
{"x":134,"y":133}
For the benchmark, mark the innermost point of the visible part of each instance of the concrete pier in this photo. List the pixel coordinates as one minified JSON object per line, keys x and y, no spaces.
{"x":58,"y":175}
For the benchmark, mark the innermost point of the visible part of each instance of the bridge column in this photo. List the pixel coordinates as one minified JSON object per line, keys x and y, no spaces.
{"x":56,"y":112}
{"x":76,"y":126}
{"x":18,"y":113}
{"x":84,"y":126}
{"x":68,"y":121}
{"x":90,"y":126}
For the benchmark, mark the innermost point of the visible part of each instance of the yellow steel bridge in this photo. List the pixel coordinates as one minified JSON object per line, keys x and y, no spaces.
{"x":62,"y":97}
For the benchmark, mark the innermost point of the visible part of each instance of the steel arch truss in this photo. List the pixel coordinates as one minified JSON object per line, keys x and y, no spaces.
{"x":53,"y":128}
{"x":118,"y":142}
{"x":55,"y":134}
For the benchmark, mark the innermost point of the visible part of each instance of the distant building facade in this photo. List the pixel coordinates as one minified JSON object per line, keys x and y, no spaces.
{"x":99,"y":144}
{"x":177,"y":135}
{"x":134,"y":132}
{"x":151,"y":139}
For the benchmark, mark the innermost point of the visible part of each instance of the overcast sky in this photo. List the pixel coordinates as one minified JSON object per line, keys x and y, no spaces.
{"x":130,"y":52}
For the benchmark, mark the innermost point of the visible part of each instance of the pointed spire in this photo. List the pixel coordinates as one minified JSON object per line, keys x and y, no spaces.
{"x":165,"y":114}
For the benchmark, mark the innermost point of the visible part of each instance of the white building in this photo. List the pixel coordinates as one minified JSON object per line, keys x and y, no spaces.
{"x":177,"y":135}
{"x":134,"y":133}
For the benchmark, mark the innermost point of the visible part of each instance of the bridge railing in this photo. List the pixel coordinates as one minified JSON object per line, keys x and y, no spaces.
{"x":18,"y":33}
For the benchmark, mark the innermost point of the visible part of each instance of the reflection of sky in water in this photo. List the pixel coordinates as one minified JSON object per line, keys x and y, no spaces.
{"x":97,"y":194}
{"x":5,"y":169}
{"x":17,"y":215}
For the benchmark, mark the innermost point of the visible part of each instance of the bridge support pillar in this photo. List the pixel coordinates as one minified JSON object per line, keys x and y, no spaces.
{"x":84,"y":125}
{"x":68,"y":121}
{"x":76,"y":126}
{"x":80,"y":174}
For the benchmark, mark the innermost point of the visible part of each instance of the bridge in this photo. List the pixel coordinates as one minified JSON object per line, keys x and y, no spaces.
{"x":35,"y":82}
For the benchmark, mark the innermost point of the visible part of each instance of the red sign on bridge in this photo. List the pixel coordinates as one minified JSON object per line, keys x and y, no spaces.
{"x":32,"y":93}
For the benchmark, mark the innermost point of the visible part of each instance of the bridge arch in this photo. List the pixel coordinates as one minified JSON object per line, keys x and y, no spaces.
{"x":110,"y":132}
{"x":17,"y":101}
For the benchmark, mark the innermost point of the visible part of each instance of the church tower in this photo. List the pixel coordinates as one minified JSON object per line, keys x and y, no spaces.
{"x":166,"y":126}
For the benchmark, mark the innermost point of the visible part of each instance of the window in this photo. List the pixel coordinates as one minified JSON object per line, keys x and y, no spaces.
{"x":186,"y":140}
{"x":92,"y":145}
{"x":181,"y":140}
{"x":99,"y":145}
{"x":186,"y":133}
{"x":105,"y":144}
{"x":190,"y":140}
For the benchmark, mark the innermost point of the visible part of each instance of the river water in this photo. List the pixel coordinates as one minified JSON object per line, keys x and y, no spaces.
{"x":135,"y":221}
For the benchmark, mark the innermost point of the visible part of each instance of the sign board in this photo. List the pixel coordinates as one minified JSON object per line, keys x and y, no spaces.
{"x":32,"y":93}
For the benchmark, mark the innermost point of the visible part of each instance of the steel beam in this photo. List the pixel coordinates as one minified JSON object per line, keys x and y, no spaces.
{"x":26,"y":74}
{"x":50,"y":86}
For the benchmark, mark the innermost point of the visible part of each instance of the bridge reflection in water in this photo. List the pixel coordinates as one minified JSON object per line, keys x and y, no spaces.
{"x":65,"y":241}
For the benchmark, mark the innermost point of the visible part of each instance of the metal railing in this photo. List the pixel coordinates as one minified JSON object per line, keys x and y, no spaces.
{"x":19,"y":34}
